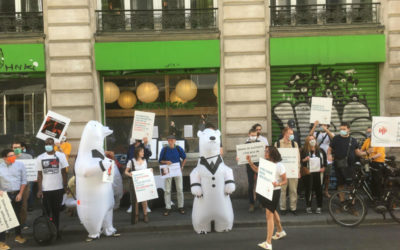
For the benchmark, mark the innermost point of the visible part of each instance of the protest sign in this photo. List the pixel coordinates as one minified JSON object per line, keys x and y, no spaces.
{"x":108,"y":175}
{"x":54,"y":126}
{"x":143,"y":124}
{"x":168,"y":171}
{"x":255,"y":150}
{"x":31,"y":170}
{"x":266,"y":176}
{"x":315,"y":164}
{"x":321,"y":109}
{"x":290,"y":159}
{"x":385,"y":131}
{"x":8,"y":219}
{"x":145,"y":185}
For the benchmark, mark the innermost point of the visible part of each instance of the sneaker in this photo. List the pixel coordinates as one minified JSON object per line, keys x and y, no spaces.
{"x":308,"y":210}
{"x":251,"y":208}
{"x":265,"y":245}
{"x":129,"y":210}
{"x":279,"y":235}
{"x":318,"y":211}
{"x":4,"y":246}
{"x":20,"y":239}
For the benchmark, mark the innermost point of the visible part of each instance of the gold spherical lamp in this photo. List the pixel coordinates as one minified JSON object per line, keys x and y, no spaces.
{"x":127,"y":100}
{"x":111,"y":92}
{"x":215,"y":89}
{"x":173,"y":97}
{"x":147,"y":92}
{"x":186,"y":89}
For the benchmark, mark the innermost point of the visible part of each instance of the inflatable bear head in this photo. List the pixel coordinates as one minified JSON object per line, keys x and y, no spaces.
{"x":209,"y":142}
{"x":93,"y":136}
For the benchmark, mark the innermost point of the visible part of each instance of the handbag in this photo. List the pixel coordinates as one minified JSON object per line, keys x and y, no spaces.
{"x":343,"y":163}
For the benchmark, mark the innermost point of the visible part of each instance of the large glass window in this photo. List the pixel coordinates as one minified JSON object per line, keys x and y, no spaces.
{"x":22,"y":109}
{"x":165,"y":96}
{"x":21,"y":16}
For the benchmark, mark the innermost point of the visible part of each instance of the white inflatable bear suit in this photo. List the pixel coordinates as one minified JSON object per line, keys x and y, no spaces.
{"x":95,"y":197}
{"x":211,"y":183}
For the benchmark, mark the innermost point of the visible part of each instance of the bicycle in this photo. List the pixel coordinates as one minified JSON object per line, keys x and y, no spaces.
{"x":349,"y":207}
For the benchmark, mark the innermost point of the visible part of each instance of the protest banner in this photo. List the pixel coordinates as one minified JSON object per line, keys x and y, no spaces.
{"x":290,"y":159}
{"x":255,"y":150}
{"x":145,"y":185}
{"x":321,"y":109}
{"x":31,"y":170}
{"x":266,"y":176}
{"x":385,"y":131}
{"x":315,"y":164}
{"x":54,"y":126}
{"x":8,"y":219}
{"x":168,"y":171}
{"x":143,"y":124}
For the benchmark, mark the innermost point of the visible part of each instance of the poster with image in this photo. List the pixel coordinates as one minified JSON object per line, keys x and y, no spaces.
{"x":321,"y":110}
{"x":265,"y":178}
{"x":54,"y":126}
{"x":145,"y":185}
{"x":143,"y":125}
{"x":385,"y":131}
{"x":168,"y":171}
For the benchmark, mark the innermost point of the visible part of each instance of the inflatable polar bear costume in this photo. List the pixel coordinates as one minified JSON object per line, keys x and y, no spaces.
{"x":95,"y":197}
{"x":211,"y":183}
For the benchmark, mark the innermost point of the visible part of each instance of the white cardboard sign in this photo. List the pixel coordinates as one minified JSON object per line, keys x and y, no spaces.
{"x":143,"y":124}
{"x":290,"y":159}
{"x":321,"y":109}
{"x":168,"y":171}
{"x":256,"y":151}
{"x":145,"y":185}
{"x":266,"y":176}
{"x":31,"y":169}
{"x":385,"y":131}
{"x":8,"y":219}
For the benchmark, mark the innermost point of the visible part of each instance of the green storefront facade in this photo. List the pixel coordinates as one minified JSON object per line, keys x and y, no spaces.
{"x":345,"y":68}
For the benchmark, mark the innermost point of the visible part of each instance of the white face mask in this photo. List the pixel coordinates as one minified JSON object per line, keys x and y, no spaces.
{"x":253,"y":138}
{"x":313,"y":143}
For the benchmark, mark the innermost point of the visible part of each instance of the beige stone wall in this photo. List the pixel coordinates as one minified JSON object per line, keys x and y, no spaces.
{"x":244,"y":68}
{"x":72,"y":81}
{"x":390,"y":70}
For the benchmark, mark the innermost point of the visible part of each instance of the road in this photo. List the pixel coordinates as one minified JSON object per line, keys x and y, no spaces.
{"x":364,"y":237}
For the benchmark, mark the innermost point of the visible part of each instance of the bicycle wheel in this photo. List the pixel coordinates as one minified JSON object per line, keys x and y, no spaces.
{"x":348,"y":211}
{"x":394,"y":207}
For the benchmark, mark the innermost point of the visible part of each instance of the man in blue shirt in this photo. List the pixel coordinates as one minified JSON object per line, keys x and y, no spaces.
{"x":12,"y":181}
{"x":173,"y":154}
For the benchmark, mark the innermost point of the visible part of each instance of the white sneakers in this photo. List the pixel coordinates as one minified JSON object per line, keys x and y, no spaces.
{"x":265,"y":245}
{"x":129,"y":210}
{"x":279,"y":235}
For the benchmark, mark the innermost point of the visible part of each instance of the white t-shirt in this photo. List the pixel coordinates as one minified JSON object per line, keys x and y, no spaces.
{"x":326,"y":140}
{"x":280,"y":170}
{"x":137,"y":166}
{"x":263,"y":139}
{"x":51,"y":166}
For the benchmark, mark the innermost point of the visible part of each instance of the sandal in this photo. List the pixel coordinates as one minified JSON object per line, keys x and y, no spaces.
{"x":166,"y":212}
{"x":181,"y":210}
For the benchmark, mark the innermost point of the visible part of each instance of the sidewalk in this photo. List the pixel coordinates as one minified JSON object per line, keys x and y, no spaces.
{"x":176,"y":221}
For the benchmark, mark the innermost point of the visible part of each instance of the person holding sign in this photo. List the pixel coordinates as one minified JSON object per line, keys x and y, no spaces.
{"x":272,"y":216}
{"x":173,"y":154}
{"x":135,"y":164}
{"x":12,"y":181}
{"x":313,"y":162}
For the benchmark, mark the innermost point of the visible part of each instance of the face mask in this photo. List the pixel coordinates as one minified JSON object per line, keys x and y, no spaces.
{"x":17,"y":151}
{"x":253,"y":138}
{"x":313,"y":143}
{"x":48,"y":148}
{"x":343,"y":132}
{"x":11,"y":159}
{"x":291,"y":137}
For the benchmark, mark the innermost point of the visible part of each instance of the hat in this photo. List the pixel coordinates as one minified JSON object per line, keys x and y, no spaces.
{"x":171,"y":137}
{"x":291,"y":123}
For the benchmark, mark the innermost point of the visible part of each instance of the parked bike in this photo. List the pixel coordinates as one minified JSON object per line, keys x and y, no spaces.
{"x":349,"y":207}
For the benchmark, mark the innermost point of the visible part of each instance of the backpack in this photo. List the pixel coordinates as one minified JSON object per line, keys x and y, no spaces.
{"x":44,"y":230}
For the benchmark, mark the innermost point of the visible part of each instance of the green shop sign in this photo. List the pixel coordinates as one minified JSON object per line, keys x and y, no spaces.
{"x":17,"y":58}
{"x":164,"y":105}
{"x":157,"y":55}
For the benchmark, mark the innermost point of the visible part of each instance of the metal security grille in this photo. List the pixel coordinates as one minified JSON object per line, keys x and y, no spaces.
{"x":354,"y":89}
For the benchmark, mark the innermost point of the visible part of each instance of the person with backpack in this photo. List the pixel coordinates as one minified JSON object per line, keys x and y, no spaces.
{"x":137,"y":163}
{"x":173,"y":154}
{"x":287,"y":141}
{"x":323,"y":136}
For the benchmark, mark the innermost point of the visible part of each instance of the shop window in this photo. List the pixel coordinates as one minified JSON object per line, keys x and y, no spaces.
{"x":22,"y":110}
{"x":174,"y":115}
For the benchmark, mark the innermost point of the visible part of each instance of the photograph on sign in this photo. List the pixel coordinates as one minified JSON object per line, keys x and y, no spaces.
{"x":145,"y":185}
{"x":8,"y":219}
{"x":321,"y":110}
{"x":385,"y":131}
{"x":173,"y":170}
{"x":161,"y":144}
{"x":265,"y":178}
{"x":53,"y":126}
{"x":31,"y":169}
{"x":143,"y":123}
{"x":315,"y":164}
{"x":290,"y":159}
{"x":255,"y":150}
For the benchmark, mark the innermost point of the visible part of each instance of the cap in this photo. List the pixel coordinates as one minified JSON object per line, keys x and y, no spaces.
{"x":291,"y":123}
{"x":171,"y":137}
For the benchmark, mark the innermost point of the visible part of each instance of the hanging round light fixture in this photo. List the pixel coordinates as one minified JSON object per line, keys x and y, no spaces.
{"x":147,"y":92}
{"x":173,"y":97}
{"x":186,"y":89}
{"x":127,"y":100}
{"x":111,"y":92}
